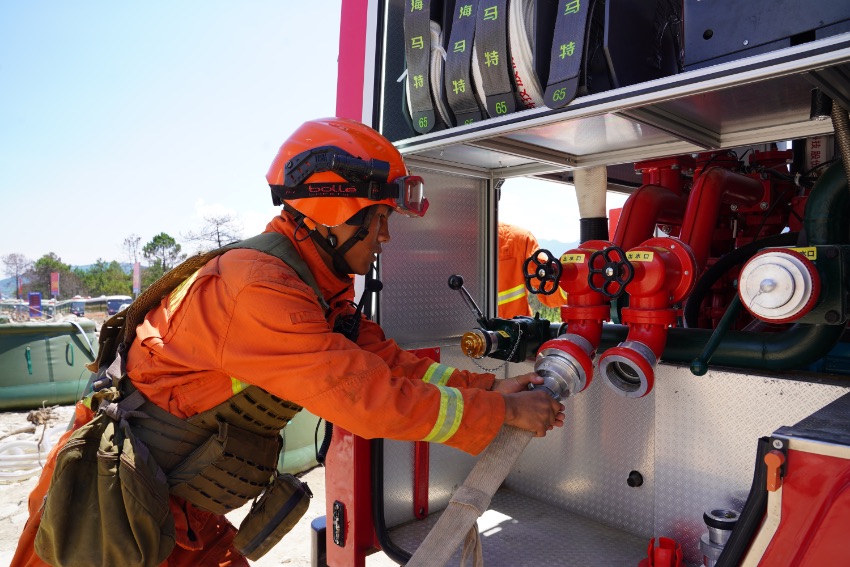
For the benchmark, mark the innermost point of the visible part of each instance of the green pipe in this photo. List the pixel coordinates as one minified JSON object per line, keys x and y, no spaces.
{"x":825,"y":223}
{"x":699,"y":365}
{"x":798,"y":346}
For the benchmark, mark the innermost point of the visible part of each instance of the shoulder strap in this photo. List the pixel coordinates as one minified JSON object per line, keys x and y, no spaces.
{"x":121,"y":327}
{"x":279,"y":246}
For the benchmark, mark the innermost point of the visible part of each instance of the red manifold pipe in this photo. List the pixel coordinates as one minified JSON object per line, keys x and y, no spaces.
{"x":715,"y":188}
{"x":664,"y":274}
{"x":660,"y":200}
{"x":666,"y":172}
{"x":647,"y":207}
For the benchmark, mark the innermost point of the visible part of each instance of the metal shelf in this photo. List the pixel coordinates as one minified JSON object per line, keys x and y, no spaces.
{"x":755,"y":100}
{"x":514,"y":524}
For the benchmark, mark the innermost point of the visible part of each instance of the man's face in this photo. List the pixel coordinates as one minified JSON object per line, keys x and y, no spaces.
{"x":361,"y":256}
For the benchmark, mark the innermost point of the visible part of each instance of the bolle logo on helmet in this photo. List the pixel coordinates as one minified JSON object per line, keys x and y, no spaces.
{"x":333,"y":190}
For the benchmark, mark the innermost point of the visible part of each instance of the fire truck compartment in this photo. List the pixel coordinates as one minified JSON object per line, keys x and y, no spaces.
{"x":693,"y":441}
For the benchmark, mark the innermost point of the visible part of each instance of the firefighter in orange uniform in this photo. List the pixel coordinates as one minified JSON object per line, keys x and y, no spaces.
{"x":247,"y":319}
{"x":516,"y":244}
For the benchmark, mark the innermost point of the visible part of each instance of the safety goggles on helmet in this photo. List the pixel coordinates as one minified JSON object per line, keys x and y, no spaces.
{"x":365,"y":179}
{"x":411,"y":198}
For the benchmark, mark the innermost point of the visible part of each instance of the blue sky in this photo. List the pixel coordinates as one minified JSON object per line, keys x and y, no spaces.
{"x":122,"y":117}
{"x":549,"y":210}
{"x":130,"y":117}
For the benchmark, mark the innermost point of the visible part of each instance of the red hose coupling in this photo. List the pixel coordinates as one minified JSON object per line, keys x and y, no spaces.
{"x":629,"y":369}
{"x":668,"y":553}
{"x":664,"y":271}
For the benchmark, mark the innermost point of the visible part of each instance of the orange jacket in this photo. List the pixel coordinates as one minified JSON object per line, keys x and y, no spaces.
{"x":246,"y":318}
{"x":515,"y":246}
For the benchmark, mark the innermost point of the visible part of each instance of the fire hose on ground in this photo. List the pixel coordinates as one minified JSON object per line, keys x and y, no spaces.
{"x":21,"y":459}
{"x":563,"y":376}
{"x":471,"y":500}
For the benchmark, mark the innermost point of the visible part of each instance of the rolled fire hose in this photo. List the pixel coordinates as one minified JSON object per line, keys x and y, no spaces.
{"x":470,"y":500}
{"x":435,"y":75}
{"x":438,"y":58}
{"x":521,"y":26}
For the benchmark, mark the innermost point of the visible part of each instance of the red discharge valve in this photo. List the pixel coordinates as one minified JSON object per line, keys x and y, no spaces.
{"x":566,"y":363}
{"x":779,"y":285}
{"x":664,"y":274}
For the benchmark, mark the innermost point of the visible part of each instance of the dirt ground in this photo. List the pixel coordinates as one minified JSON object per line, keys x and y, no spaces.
{"x":293,"y":551}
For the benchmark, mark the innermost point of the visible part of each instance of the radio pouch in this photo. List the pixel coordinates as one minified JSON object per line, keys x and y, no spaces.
{"x":272,"y":516}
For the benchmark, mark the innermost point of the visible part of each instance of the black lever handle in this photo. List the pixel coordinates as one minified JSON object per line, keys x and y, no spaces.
{"x":456,"y":283}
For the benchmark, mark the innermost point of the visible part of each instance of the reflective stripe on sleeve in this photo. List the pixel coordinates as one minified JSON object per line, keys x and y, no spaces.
{"x":438,"y":374}
{"x":512,"y":294}
{"x":176,"y":297}
{"x":451,"y":413}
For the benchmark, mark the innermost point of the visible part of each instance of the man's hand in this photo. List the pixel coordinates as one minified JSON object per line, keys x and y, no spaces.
{"x":517,"y":383}
{"x":533,"y":410}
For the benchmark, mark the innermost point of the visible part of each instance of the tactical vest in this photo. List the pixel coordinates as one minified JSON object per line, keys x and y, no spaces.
{"x":224,"y":457}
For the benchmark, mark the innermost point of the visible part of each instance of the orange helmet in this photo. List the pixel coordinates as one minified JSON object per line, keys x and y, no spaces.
{"x":331,"y":168}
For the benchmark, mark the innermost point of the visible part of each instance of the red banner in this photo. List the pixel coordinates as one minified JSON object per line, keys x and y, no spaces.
{"x":54,"y":284}
{"x":137,"y":278}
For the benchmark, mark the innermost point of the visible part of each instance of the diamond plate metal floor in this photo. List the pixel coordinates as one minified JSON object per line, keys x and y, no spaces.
{"x":518,"y":531}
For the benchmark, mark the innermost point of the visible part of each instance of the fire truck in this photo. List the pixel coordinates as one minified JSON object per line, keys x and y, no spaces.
{"x":701,"y":350}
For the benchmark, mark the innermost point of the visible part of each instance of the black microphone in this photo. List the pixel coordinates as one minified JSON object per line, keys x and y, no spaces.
{"x":349,"y":325}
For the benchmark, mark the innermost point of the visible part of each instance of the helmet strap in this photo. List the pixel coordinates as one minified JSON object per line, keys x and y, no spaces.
{"x":328,"y":244}
{"x":338,"y":254}
{"x":299,"y":219}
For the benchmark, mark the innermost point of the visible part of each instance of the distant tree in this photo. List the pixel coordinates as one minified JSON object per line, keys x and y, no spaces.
{"x":15,"y":265}
{"x":71,"y":284}
{"x":106,"y":278}
{"x":217,"y":231}
{"x":151,"y":273}
{"x":131,"y":247}
{"x":38,"y":275}
{"x":549,"y":313}
{"x":163,"y":252}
